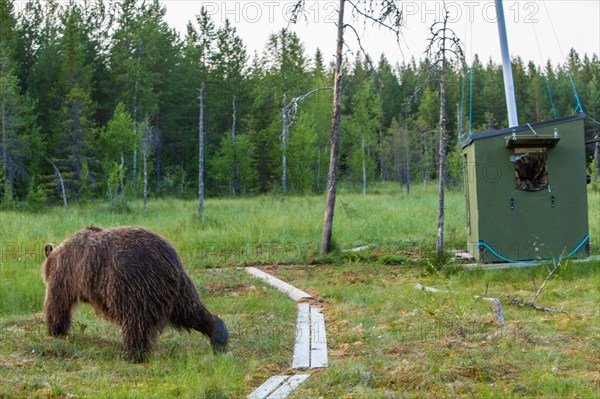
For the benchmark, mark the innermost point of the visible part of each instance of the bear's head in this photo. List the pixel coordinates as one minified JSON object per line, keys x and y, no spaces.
{"x":47,"y":266}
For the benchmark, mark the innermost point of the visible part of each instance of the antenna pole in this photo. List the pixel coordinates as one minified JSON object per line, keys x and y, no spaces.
{"x":509,"y":85}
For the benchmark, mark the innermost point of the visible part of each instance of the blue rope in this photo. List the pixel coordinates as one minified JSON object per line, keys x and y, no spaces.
{"x":471,"y":101}
{"x":579,"y":107}
{"x":496,"y":254}
{"x":550,"y":95}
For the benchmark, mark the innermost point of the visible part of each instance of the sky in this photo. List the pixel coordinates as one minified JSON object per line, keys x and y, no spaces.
{"x":537,"y":30}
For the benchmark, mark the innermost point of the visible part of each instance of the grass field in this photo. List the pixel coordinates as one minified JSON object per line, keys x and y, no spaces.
{"x":385,"y":338}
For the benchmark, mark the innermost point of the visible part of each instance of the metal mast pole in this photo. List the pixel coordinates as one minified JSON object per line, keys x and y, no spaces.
{"x":509,"y":85}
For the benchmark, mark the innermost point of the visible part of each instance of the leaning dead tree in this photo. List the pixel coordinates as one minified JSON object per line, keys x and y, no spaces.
{"x":386,"y":14}
{"x":61,"y":183}
{"x":443,"y":45}
{"x":288,"y":119}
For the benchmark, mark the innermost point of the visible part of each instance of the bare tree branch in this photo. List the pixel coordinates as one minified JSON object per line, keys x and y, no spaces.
{"x":297,"y":11}
{"x":362,"y":49}
{"x":291,"y":109}
{"x":556,"y":266}
{"x":522,"y":303}
{"x":389,"y":12}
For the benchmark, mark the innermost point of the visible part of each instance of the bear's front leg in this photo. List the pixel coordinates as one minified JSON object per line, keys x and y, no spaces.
{"x":57,"y":310}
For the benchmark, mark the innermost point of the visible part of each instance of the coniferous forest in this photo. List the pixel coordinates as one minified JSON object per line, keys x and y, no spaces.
{"x":103,"y":99}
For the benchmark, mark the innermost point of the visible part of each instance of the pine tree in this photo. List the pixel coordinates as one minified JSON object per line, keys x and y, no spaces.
{"x":230,"y":97}
{"x":114,"y":142}
{"x":20,"y":141}
{"x":363,"y":126}
{"x":77,"y":109}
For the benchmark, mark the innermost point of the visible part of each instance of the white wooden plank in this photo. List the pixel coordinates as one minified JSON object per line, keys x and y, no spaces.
{"x":263,"y":391}
{"x":357,"y":249}
{"x":289,"y":386}
{"x":302,"y":345}
{"x":422,"y":287}
{"x":318,"y":354}
{"x":290,"y":290}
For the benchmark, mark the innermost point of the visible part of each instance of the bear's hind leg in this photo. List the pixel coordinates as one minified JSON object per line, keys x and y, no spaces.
{"x":138,"y":339}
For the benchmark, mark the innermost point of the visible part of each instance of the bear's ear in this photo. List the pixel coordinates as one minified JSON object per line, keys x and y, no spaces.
{"x":48,"y":248}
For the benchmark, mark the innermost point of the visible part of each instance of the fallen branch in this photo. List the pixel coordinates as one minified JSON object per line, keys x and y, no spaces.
{"x":522,"y":303}
{"x":551,"y":273}
{"x":495,"y":302}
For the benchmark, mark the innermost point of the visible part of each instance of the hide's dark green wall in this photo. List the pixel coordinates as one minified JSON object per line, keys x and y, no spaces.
{"x":523,"y":225}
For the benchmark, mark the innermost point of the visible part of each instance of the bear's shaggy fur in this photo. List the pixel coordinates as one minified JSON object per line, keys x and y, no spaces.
{"x":132,"y":277}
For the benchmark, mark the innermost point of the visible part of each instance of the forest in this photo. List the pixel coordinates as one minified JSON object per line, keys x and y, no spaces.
{"x":107,"y":95}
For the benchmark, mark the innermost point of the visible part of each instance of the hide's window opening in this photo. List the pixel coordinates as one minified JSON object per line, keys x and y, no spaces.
{"x":531,"y":171}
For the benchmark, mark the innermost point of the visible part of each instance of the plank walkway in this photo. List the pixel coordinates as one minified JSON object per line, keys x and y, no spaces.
{"x":278,"y":387}
{"x":290,"y":290}
{"x":310,"y":348}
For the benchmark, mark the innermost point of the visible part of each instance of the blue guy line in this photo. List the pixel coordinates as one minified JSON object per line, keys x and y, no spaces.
{"x":579,"y":107}
{"x":496,"y":254}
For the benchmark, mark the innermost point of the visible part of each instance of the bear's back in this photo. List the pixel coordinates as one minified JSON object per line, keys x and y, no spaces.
{"x":125,"y":265}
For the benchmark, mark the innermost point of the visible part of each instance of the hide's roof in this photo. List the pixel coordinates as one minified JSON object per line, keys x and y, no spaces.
{"x":520,"y":128}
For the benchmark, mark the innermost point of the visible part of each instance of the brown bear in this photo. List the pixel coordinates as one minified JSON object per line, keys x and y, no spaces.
{"x":132,"y":277}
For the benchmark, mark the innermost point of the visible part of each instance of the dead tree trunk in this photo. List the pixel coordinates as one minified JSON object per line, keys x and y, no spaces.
{"x":145,"y":156}
{"x":442,"y":44}
{"x":121,"y":176}
{"x":335,"y":137}
{"x":363,"y":168}
{"x":439,"y":247}
{"x":386,"y":14}
{"x":201,"y":155}
{"x":135,"y":131}
{"x":236,"y":184}
{"x":407,"y":170}
{"x":284,"y":140}
{"x":5,"y":173}
{"x":597,"y":159}
{"x":150,"y":143}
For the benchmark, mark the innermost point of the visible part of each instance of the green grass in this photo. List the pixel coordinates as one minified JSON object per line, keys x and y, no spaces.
{"x":90,"y":363}
{"x":386,"y":339}
{"x":389,"y":340}
{"x":264,"y":229}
